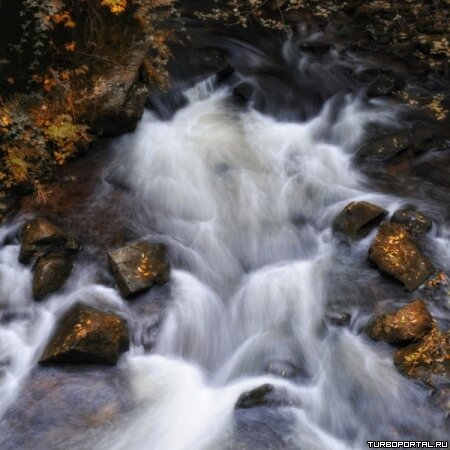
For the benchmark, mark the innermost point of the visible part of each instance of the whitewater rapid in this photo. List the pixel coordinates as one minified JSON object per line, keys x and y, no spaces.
{"x":245,"y":203}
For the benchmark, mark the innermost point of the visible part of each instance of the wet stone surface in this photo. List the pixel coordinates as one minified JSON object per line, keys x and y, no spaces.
{"x":416,"y":222}
{"x":139,"y":266}
{"x":50,"y":274}
{"x":38,"y":235}
{"x":87,"y":336}
{"x":358,"y":218}
{"x":407,"y":324}
{"x":396,"y":253}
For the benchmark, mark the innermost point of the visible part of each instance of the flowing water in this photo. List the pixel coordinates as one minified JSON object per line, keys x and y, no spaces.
{"x":244,"y":196}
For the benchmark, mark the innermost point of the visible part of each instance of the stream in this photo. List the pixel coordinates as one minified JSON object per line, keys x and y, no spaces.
{"x":244,"y":193}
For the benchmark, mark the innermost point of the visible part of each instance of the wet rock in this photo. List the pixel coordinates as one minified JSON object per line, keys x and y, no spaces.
{"x":256,"y":397}
{"x":427,"y":359}
{"x":281,"y":368}
{"x":338,"y":318}
{"x":405,"y":325}
{"x":417,"y":223}
{"x":139,"y":266}
{"x":385,"y":147}
{"x":264,"y":395}
{"x":396,"y":253}
{"x":73,"y":244}
{"x":384,"y":84}
{"x":358,"y":218}
{"x":51,"y":272}
{"x":38,"y":235}
{"x":87,"y":336}
{"x":243,"y":92}
{"x":423,"y":139}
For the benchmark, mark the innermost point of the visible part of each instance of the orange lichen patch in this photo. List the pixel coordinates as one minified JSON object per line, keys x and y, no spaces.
{"x":396,"y":253}
{"x":431,"y":355}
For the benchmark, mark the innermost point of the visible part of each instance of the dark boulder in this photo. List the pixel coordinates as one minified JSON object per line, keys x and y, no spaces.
{"x":51,"y":272}
{"x":139,"y":266}
{"x":385,"y":147}
{"x":38,"y":235}
{"x":423,"y":138}
{"x":265,"y":395}
{"x":396,"y":253}
{"x":358,"y":218}
{"x":405,"y":325}
{"x":87,"y":336}
{"x":417,"y":223}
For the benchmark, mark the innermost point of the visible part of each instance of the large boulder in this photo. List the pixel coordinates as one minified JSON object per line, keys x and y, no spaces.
{"x":358,"y":218}
{"x":87,"y":336}
{"x":139,"y":266}
{"x":427,"y":359}
{"x":51,"y":272}
{"x":38,"y":235}
{"x":405,"y":325}
{"x":396,"y":253}
{"x":416,"y":222}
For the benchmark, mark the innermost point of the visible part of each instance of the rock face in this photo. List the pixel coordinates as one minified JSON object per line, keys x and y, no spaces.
{"x":51,"y":272}
{"x":116,"y":101}
{"x":397,"y":254}
{"x":139,"y":266}
{"x":37,"y":235}
{"x":417,"y":223}
{"x":405,"y":325}
{"x":358,"y":218}
{"x":428,"y":359}
{"x":87,"y":336}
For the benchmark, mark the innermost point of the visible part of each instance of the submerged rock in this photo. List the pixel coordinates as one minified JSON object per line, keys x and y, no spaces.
{"x":417,"y":223}
{"x":243,"y":92}
{"x":87,"y":336}
{"x":338,"y":318}
{"x":396,"y":253}
{"x":51,"y":272}
{"x":37,"y":235}
{"x":139,"y":266}
{"x":428,"y":359}
{"x":407,"y":324}
{"x":358,"y":218}
{"x":281,"y":368}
